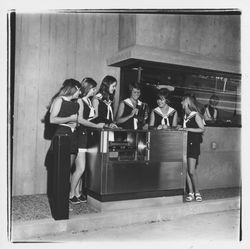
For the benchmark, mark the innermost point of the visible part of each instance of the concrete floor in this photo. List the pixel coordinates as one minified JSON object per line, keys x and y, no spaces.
{"x":218,"y":226}
{"x":36,"y":207}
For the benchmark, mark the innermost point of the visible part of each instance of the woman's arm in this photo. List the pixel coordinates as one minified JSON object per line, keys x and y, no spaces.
{"x":175,"y":119}
{"x":95,"y":103}
{"x":119,"y":118}
{"x":85,"y":122}
{"x":152,"y":119}
{"x":215,"y":113}
{"x":54,"y":119}
{"x":207,"y":115}
{"x":200,"y":123}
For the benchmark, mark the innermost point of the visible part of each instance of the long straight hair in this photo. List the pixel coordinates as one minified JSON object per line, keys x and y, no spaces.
{"x":191,"y":103}
{"x":69,"y":88}
{"x":104,"y":88}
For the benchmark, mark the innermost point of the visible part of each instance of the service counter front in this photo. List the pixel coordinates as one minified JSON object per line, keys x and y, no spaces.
{"x":129,"y":164}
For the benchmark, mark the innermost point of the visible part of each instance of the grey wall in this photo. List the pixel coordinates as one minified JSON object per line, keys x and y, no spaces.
{"x":215,"y":37}
{"x":220,"y":166}
{"x":49,"y":49}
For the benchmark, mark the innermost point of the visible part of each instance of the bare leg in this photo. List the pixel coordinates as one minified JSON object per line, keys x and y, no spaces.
{"x":189,"y":184}
{"x":80,"y":167}
{"x":193,"y":174}
{"x":78,"y":187}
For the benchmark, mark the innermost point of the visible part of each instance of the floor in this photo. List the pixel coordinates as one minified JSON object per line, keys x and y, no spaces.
{"x":36,"y":207}
{"x":219,"y":226}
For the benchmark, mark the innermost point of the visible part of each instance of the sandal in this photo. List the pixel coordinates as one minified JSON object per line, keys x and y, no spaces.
{"x":190,"y":197}
{"x":198,"y":197}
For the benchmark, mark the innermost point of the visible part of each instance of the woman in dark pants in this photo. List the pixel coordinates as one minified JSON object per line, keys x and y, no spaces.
{"x":64,"y":112}
{"x":194,"y":124}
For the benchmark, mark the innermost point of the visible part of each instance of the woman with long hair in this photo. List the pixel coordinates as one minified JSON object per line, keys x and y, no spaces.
{"x":194,"y":124}
{"x":103,"y":100}
{"x":86,"y":113}
{"x":64,"y":112}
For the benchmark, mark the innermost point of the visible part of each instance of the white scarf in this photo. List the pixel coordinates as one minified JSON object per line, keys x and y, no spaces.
{"x":164,"y":116}
{"x":129,"y":103}
{"x":108,"y":104}
{"x":187,"y":118}
{"x":92,"y":109}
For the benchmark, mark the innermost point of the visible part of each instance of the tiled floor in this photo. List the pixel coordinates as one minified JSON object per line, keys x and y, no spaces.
{"x":34,"y":207}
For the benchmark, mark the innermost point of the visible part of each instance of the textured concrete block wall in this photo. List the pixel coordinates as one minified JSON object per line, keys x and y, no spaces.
{"x":212,"y":36}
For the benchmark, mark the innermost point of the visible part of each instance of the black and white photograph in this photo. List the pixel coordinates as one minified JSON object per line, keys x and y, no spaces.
{"x":125,"y":125}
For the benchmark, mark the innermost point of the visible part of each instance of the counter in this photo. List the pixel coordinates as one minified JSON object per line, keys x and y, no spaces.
{"x":129,"y":164}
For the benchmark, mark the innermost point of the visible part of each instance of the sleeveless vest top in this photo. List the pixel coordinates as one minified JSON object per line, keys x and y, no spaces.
{"x":67,"y":109}
{"x":105,"y":108}
{"x":88,"y":111}
{"x":190,"y":122}
{"x":131,"y":123}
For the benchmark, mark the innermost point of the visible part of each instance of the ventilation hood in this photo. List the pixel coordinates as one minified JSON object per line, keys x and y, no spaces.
{"x":137,"y":53}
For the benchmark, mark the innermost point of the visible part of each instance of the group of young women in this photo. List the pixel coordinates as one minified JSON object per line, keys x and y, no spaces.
{"x":77,"y":105}
{"x":72,"y":109}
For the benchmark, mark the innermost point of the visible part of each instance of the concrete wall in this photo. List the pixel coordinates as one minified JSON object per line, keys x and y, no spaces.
{"x":127,"y":30}
{"x":49,"y":49}
{"x":220,"y":159}
{"x":216,"y":37}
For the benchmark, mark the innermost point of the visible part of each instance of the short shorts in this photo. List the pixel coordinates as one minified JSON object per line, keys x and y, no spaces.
{"x":193,"y":145}
{"x":81,"y":139}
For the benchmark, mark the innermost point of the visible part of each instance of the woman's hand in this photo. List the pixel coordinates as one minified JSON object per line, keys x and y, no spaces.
{"x":73,"y":118}
{"x":159,"y":127}
{"x":164,"y":126}
{"x":134,"y":112}
{"x":113,"y":125}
